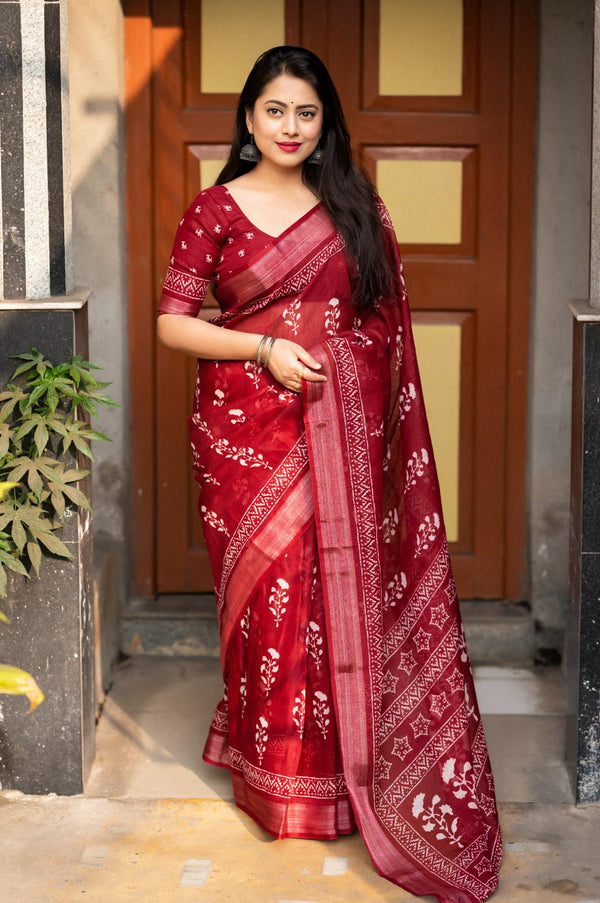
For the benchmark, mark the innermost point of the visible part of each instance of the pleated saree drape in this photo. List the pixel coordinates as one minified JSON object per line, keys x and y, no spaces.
{"x":348,"y":693}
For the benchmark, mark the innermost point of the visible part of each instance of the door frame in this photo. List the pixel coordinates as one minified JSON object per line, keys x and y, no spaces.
{"x":139,"y":168}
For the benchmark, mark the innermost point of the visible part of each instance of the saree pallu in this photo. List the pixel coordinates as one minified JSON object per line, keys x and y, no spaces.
{"x":348,"y":692}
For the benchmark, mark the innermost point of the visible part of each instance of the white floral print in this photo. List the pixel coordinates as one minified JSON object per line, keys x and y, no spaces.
{"x":437,"y":816}
{"x":321,"y":710}
{"x":291,"y":315}
{"x":314,"y":642}
{"x":332,"y":317}
{"x":260,"y":737}
{"x":213,"y":520}
{"x":298,"y":711}
{"x":269,"y":668}
{"x":278,"y":599}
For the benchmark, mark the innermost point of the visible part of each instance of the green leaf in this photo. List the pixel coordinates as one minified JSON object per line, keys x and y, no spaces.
{"x":53,"y":544}
{"x":27,"y":425}
{"x":37,"y":394}
{"x":106,"y":399}
{"x":57,"y":500}
{"x":32,"y":359}
{"x":18,"y":534}
{"x":30,"y":468}
{"x":41,"y":437}
{"x":76,"y":496}
{"x":11,"y":399}
{"x":3,"y":618}
{"x":6,"y":542}
{"x":87,"y":404}
{"x":5,"y":439}
{"x":82,"y":446}
{"x":12,"y":563}
{"x":52,"y":398}
{"x":35,"y":556}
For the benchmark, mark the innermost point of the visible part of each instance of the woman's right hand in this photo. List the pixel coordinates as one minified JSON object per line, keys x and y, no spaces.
{"x":290,"y":363}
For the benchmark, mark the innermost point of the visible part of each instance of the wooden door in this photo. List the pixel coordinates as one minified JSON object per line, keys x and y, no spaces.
{"x":439,"y":96}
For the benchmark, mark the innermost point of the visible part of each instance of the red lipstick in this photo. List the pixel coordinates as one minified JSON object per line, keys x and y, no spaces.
{"x":288,"y":146}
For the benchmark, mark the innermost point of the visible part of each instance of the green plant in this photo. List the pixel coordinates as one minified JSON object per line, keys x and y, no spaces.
{"x":44,"y":429}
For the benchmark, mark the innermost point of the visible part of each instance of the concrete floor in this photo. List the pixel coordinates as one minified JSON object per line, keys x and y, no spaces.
{"x":156,"y":824}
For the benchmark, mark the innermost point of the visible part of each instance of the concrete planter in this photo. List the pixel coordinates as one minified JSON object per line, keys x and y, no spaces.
{"x":52,"y":629}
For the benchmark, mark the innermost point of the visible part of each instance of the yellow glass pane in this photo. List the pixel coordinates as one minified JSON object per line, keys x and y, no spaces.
{"x":420,"y":47}
{"x":438,"y":353}
{"x":424,"y":198}
{"x":209,"y":170}
{"x":234,"y":33}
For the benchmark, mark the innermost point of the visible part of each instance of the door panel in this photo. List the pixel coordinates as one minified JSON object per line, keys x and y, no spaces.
{"x":439,"y":154}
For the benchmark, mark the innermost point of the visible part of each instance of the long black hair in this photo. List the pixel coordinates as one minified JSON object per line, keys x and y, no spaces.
{"x":343,"y":189}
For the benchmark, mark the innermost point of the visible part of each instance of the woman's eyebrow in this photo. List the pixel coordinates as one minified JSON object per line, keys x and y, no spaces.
{"x":302,"y":106}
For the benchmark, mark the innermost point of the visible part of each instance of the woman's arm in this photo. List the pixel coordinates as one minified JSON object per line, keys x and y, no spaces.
{"x":205,"y":340}
{"x":289,"y":362}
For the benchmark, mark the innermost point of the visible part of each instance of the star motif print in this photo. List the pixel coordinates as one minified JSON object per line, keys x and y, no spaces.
{"x":456,"y":681}
{"x":389,"y":682}
{"x":483,"y":866}
{"x":421,"y":639}
{"x":438,"y":616}
{"x":407,"y":662}
{"x":420,"y":726}
{"x":384,"y":769}
{"x":439,"y":703}
{"x":401,"y":748}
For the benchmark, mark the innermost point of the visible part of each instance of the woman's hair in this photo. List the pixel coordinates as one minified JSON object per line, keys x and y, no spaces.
{"x":344,"y":190}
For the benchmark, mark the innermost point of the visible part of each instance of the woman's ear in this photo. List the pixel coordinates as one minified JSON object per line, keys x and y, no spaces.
{"x":249,"y":125}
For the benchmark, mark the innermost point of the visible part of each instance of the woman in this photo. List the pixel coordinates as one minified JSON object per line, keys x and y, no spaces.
{"x":348,"y":695}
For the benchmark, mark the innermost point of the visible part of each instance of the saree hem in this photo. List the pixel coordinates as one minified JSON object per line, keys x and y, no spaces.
{"x":336,"y":817}
{"x":290,"y":814}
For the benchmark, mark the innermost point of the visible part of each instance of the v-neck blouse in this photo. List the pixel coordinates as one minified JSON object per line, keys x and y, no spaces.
{"x":213,"y":240}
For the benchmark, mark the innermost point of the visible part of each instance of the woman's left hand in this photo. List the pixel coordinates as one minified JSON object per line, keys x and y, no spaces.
{"x":290,"y":363}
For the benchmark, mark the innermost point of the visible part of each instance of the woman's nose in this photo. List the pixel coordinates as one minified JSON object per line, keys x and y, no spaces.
{"x":289,"y":123}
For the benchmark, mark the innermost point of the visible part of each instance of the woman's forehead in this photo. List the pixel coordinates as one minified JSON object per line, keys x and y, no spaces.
{"x":290,"y":90}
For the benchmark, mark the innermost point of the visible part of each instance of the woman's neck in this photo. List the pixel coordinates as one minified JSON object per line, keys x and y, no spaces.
{"x":277,"y":178}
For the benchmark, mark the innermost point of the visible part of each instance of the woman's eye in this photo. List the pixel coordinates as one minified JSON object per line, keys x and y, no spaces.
{"x":273,"y":110}
{"x":307,"y":114}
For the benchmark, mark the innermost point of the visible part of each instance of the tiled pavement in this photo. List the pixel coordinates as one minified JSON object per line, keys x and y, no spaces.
{"x":156,"y":824}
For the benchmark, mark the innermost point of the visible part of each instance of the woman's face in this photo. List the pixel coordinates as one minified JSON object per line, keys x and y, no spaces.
{"x":286,"y":121}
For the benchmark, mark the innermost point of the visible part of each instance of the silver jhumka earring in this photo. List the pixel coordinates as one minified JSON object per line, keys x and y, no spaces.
{"x":316,"y":157}
{"x":249,"y":152}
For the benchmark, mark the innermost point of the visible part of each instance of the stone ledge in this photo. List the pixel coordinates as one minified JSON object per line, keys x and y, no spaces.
{"x":498,"y":632}
{"x":182,"y":625}
{"x":186,"y":625}
{"x":584,"y":312}
{"x":78,"y":298}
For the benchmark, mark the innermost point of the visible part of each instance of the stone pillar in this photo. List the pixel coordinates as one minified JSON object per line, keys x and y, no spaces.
{"x":51,"y":630}
{"x":583,"y":630}
{"x":35,"y":198}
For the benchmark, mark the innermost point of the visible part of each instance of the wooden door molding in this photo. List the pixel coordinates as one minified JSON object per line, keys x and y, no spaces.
{"x":522,"y":173}
{"x":378,"y":125}
{"x":139,"y":167}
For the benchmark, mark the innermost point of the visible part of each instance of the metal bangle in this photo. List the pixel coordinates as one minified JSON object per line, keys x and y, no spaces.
{"x":269,"y":350}
{"x":261,"y":345}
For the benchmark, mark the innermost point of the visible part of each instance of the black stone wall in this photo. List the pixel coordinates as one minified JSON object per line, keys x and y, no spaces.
{"x":583,"y":631}
{"x":52,"y":633}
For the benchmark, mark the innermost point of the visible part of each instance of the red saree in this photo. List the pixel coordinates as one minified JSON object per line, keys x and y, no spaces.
{"x":348,"y":693}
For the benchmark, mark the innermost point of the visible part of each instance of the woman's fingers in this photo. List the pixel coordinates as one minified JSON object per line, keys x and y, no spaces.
{"x":308,"y":365}
{"x":290,"y":364}
{"x":308,"y":359}
{"x":312,"y":377}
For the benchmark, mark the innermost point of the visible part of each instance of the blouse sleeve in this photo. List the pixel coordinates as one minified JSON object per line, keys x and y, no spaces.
{"x":195,"y":255}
